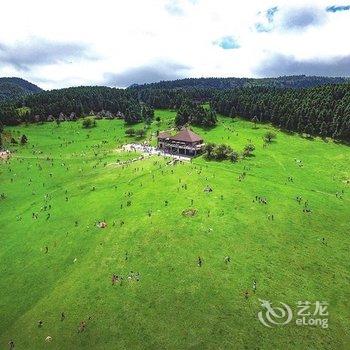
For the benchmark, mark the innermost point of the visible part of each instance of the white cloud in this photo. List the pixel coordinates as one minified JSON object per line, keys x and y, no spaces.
{"x":125,"y":35}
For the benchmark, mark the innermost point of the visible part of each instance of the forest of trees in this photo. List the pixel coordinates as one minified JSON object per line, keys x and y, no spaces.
{"x":172,"y":98}
{"x":11,"y":88}
{"x":293,"y":81}
{"x":323,"y":111}
{"x":320,"y":111}
{"x":1,"y":131}
{"x":75,"y":102}
{"x":195,"y":114}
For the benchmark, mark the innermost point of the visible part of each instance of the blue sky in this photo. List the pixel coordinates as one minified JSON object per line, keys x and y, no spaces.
{"x":227,"y":43}
{"x":60,"y":43}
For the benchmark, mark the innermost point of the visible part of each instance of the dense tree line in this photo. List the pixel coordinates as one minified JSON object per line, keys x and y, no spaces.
{"x":323,"y":111}
{"x":172,"y":98}
{"x":72,"y":103}
{"x":1,"y":131}
{"x":294,"y":81}
{"x":195,"y":114}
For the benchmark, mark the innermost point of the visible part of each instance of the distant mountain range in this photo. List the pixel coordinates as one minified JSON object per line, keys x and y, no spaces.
{"x":293,"y":82}
{"x":13,"y":88}
{"x":16,"y":87}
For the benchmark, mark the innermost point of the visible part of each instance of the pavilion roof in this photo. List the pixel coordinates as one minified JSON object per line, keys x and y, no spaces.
{"x":164,"y":135}
{"x":186,"y":135}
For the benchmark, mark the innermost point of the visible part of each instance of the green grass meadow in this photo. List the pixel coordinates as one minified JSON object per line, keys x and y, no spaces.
{"x":72,"y":178}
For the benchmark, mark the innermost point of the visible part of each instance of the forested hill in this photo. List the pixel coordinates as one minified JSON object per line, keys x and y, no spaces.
{"x":321,"y":111}
{"x":72,"y":103}
{"x":318,"y":111}
{"x":294,"y":81}
{"x":16,"y":87}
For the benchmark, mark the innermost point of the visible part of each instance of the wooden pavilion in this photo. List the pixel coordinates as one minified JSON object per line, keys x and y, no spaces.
{"x":185,"y":142}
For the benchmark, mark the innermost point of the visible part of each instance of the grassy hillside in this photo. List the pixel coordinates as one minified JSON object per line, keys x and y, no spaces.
{"x":73,"y":175}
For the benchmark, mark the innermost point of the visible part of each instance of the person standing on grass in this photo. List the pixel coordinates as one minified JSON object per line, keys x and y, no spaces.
{"x":11,"y":344}
{"x":199,"y":261}
{"x":114,"y":278}
{"x":82,"y":326}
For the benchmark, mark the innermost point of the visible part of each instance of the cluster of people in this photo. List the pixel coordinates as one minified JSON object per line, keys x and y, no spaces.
{"x":261,"y":200}
{"x":101,"y":224}
{"x":133,"y":276}
{"x":299,"y":199}
{"x":340,"y":194}
{"x":242,"y":176}
{"x":254,"y":287}
{"x":299,"y":162}
{"x":306,"y":208}
{"x":82,"y":325}
{"x":116,"y":279}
